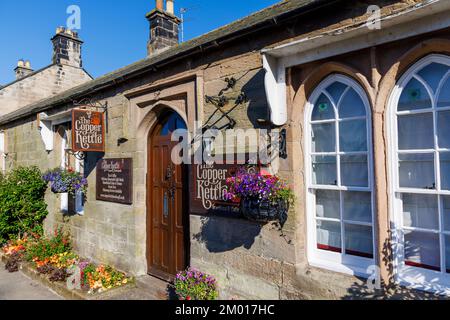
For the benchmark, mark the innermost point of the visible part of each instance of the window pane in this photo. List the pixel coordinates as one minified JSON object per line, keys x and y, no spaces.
{"x":327,"y":204}
{"x":352,"y":106}
{"x":358,"y":241}
{"x":324,"y":170}
{"x":445,"y":170}
{"x":323,"y":137}
{"x":444,"y":129}
{"x":354,"y":171}
{"x":323,"y":109}
{"x":447,"y":254}
{"x":446,"y":213}
{"x":422,"y":250}
{"x":420,"y":211}
{"x":353,"y":135}
{"x":358,"y":206}
{"x":414,"y":97}
{"x":433,"y":74}
{"x":416,"y":132}
{"x":329,"y":236}
{"x":336,"y":90}
{"x":417,"y":171}
{"x":444,"y":96}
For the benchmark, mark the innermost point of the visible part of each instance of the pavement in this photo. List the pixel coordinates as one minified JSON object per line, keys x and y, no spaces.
{"x":17,"y":286}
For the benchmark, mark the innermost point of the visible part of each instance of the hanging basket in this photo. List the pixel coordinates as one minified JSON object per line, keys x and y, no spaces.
{"x":264,"y":210}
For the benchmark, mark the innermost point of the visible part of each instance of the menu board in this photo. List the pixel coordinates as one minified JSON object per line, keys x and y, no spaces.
{"x":115,"y":180}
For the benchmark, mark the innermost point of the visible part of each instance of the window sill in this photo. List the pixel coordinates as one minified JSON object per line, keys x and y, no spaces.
{"x":425,"y":280}
{"x":355,"y":266}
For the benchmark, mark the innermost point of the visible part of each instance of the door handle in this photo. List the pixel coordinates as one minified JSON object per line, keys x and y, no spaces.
{"x":166,"y":205}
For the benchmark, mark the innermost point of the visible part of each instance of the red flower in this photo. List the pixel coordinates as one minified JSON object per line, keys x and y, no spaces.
{"x":188,"y":298}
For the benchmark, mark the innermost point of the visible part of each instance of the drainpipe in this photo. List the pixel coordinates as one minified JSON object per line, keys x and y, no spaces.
{"x":275,"y":86}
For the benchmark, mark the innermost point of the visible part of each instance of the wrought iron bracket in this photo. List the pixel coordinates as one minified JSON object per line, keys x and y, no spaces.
{"x":221,"y":101}
{"x":86,"y":103}
{"x":80,"y":155}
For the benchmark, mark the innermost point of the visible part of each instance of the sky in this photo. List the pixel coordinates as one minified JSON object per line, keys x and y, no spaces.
{"x":115,"y":32}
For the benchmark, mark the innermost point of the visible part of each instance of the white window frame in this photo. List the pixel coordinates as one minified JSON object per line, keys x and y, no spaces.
{"x":413,"y":277}
{"x":79,"y":207}
{"x":339,"y":262}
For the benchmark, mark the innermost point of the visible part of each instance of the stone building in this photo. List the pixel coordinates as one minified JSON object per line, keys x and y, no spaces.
{"x":65,"y":72}
{"x":364,"y":99}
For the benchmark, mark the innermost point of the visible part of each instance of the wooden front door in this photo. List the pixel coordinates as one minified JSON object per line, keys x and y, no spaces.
{"x":166,"y":203}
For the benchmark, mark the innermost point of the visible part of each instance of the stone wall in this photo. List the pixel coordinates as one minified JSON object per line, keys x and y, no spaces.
{"x":250,"y":260}
{"x":48,"y":82}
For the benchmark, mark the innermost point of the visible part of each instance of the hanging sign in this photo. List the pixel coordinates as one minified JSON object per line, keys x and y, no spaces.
{"x":115,"y":180}
{"x":88,"y":131}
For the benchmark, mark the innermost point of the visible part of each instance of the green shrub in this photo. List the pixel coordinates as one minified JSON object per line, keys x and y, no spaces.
{"x":22,"y":204}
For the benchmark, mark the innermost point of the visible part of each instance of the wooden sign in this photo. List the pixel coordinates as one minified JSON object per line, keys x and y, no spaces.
{"x":115,"y":180}
{"x":88,"y":131}
{"x":209,"y":186}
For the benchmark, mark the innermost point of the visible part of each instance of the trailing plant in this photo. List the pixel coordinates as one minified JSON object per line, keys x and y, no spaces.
{"x":22,"y":205}
{"x":254,"y":185}
{"x":66,"y":181}
{"x":195,"y":285}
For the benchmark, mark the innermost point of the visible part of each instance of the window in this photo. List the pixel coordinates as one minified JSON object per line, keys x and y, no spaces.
{"x":69,"y":205}
{"x":420,"y":134}
{"x":340,"y":177}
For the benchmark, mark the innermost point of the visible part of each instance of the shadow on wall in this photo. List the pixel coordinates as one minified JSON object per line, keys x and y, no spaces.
{"x":256,"y":95}
{"x":391,"y":290}
{"x":222,"y":235}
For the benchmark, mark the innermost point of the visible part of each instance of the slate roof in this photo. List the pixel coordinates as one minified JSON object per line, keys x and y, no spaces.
{"x":235,"y":29}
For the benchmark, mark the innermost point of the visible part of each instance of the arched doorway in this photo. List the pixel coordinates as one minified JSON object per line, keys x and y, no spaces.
{"x":167,"y":212}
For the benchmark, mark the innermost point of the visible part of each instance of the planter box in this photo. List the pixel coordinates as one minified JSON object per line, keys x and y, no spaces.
{"x":61,"y":288}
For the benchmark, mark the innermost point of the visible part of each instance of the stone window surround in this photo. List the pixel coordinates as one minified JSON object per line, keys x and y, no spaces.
{"x":434,"y":281}
{"x":3,"y":153}
{"x":329,"y":260}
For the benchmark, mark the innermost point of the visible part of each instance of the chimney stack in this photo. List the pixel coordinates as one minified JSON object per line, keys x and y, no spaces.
{"x":23,"y":69}
{"x":164,"y":27}
{"x":67,"y":48}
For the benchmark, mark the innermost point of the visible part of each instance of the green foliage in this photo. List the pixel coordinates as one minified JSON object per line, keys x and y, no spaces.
{"x":44,"y":248}
{"x":22,"y":204}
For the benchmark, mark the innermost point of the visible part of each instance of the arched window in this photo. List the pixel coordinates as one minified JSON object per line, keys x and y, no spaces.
{"x":420,"y":136}
{"x":340,"y":177}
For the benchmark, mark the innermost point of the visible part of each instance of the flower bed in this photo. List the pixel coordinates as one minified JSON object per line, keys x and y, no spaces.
{"x":54,"y":259}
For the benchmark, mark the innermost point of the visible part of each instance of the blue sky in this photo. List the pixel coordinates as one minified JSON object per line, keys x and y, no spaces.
{"x":115,"y":32}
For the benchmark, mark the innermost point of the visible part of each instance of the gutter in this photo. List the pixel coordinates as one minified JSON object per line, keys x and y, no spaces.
{"x":343,"y":40}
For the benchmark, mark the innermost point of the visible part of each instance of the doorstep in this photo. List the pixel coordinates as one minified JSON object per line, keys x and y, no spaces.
{"x":144,"y":288}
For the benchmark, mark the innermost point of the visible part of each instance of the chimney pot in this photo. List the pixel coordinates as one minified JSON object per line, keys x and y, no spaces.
{"x":23,"y":69}
{"x":170,"y":6}
{"x":160,"y":5}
